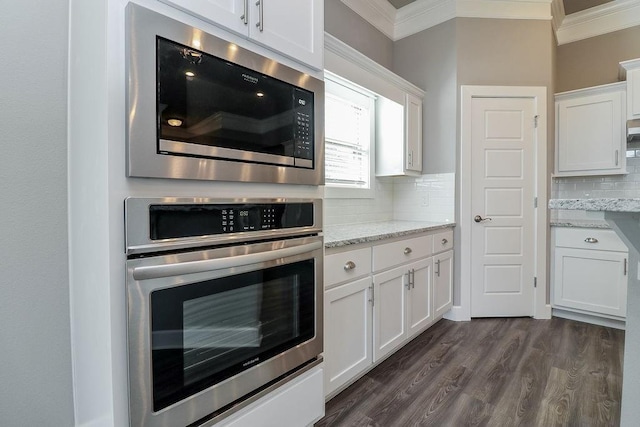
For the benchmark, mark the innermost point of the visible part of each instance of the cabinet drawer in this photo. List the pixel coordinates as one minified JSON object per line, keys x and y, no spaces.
{"x":345,"y":266}
{"x":395,"y":253}
{"x":588,"y":238}
{"x":442,"y":241}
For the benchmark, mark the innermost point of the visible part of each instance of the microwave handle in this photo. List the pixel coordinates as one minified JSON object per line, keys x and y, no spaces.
{"x":169,"y":270}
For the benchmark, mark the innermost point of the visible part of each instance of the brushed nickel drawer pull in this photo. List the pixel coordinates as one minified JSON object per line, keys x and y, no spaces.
{"x":407,"y":251}
{"x":591,"y":240}
{"x":350,"y":265}
{"x":445,"y":241}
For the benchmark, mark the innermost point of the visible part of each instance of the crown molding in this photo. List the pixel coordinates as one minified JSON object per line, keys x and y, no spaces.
{"x":343,"y":50}
{"x":423,"y":14}
{"x":557,"y":12}
{"x":379,"y":13}
{"x":607,"y":18}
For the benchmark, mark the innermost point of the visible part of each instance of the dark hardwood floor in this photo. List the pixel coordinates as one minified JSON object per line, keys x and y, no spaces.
{"x":492,"y":372}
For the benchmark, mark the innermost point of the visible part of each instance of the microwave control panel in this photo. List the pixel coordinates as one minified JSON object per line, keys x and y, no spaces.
{"x":303,"y":124}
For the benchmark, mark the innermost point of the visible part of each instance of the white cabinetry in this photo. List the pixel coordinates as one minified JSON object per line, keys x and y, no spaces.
{"x":590,"y":272}
{"x":380,"y":296}
{"x":348,"y":328}
{"x":402,"y":304}
{"x":442,"y":273}
{"x":399,"y":136}
{"x":630,"y":70}
{"x":293,"y":28}
{"x":590,"y":131}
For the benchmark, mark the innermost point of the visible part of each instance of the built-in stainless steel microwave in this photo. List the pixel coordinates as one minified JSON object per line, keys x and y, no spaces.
{"x":200,"y":107}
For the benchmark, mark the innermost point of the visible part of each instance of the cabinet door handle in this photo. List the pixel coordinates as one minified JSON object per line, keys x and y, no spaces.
{"x":407,"y":251}
{"x":591,"y":240}
{"x":617,"y":154}
{"x":350,"y":265}
{"x":408,"y":284}
{"x":260,"y":23}
{"x":444,"y":241}
{"x":625,"y":266}
{"x":371,"y":295}
{"x":245,"y":15}
{"x":438,"y":268}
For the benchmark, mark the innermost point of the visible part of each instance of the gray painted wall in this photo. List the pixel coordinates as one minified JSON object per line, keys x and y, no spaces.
{"x":343,"y":23}
{"x":35,"y":365}
{"x":428,"y":60}
{"x":594,"y":61}
{"x":471,"y":51}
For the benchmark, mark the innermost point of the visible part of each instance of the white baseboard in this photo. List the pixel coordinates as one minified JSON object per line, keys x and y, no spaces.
{"x":546,"y":313}
{"x":457,"y":314}
{"x":594,"y":320}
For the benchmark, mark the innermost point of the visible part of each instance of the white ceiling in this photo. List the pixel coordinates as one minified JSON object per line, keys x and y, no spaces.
{"x":570,"y":6}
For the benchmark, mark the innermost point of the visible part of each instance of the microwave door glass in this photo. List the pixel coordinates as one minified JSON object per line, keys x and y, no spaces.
{"x":208,"y":101}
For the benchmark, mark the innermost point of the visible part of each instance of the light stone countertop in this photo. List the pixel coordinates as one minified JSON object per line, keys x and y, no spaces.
{"x":351,"y":234}
{"x":579,"y":223}
{"x":609,"y":205}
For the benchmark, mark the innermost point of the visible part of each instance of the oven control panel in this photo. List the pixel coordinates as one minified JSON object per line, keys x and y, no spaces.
{"x":172,"y":221}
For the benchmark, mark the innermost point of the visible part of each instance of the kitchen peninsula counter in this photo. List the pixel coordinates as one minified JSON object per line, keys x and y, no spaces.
{"x":352,"y":234}
{"x":623,"y":215}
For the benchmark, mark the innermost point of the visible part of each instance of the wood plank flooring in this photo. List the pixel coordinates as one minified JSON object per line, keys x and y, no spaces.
{"x":492,"y":372}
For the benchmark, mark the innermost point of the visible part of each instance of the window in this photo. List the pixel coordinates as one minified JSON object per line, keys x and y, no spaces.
{"x":349,"y":138}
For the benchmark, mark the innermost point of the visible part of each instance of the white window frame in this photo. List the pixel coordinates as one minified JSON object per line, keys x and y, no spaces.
{"x":336,"y":192}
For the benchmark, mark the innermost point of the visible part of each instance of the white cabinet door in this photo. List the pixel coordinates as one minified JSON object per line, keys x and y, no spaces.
{"x":595,"y":281}
{"x":230,"y":14}
{"x":633,"y":93}
{"x":347,"y":332}
{"x":590,"y":132}
{"x":419,"y":304}
{"x":442,"y":283}
{"x":631,"y":70}
{"x":413,"y":113}
{"x":295,"y":28}
{"x":389,"y":310}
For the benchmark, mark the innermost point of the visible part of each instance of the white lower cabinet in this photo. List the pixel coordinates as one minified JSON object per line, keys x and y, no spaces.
{"x":347,"y":331}
{"x":378,"y":297}
{"x":590,"y":273}
{"x":442,"y":283}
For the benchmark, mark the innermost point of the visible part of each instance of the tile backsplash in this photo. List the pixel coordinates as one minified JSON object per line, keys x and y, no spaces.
{"x":422,"y":198}
{"x":587,"y":187}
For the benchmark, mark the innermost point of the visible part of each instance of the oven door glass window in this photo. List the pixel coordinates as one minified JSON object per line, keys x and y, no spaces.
{"x":204,"y":333}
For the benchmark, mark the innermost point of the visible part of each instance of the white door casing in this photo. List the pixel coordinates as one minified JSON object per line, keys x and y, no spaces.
{"x":496,"y":245}
{"x":502,"y":169}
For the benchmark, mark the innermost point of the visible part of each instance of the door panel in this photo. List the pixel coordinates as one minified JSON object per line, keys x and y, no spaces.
{"x":503,"y":177}
{"x":389,"y":310}
{"x":419,"y":314}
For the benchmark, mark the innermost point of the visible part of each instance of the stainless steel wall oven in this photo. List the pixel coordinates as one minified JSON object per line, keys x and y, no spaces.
{"x":224,"y":299}
{"x":200,"y":107}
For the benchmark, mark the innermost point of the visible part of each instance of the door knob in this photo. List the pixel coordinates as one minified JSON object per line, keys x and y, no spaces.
{"x":478,"y":218}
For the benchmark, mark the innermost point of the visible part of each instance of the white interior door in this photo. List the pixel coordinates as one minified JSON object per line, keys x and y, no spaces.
{"x":502,"y":207}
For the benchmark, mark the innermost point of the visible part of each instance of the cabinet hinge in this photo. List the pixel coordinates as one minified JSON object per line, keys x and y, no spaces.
{"x":535,"y":282}
{"x":535,"y":121}
{"x":535,"y":202}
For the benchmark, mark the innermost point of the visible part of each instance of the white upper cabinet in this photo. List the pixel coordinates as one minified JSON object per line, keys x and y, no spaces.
{"x":399,"y":136}
{"x":293,"y":28}
{"x":413,"y":125}
{"x":631,"y":71}
{"x":590,"y":131}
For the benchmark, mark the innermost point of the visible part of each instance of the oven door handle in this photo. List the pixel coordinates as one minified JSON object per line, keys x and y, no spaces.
{"x":190,"y":267}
